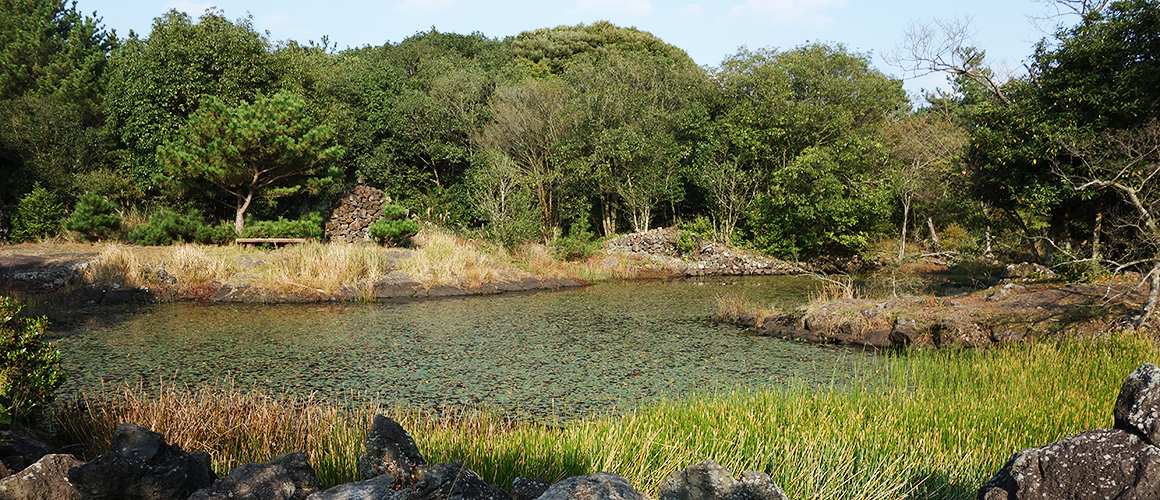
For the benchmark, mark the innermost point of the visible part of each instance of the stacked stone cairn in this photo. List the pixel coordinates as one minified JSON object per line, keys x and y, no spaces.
{"x":1120,"y":463}
{"x":356,"y":209}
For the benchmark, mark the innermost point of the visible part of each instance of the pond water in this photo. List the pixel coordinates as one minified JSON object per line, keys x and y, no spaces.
{"x":602,"y":348}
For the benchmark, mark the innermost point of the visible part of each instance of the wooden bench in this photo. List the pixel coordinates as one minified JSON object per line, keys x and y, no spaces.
{"x":273,"y":241}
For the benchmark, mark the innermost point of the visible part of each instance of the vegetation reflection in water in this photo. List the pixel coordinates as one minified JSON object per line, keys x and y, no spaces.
{"x":607,"y":347}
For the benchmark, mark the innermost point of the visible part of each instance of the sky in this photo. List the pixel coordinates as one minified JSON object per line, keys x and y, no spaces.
{"x":709,"y":31}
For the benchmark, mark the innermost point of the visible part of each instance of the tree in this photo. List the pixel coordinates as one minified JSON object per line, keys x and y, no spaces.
{"x":928,"y":147}
{"x":250,"y":150}
{"x":157,"y":83}
{"x":1127,"y":162}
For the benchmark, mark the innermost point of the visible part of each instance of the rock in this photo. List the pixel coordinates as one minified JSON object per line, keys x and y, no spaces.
{"x":453,"y":481}
{"x":954,"y":331}
{"x":1004,"y":292}
{"x":135,"y":295}
{"x":391,"y":450}
{"x":875,"y":338}
{"x":396,"y":284}
{"x":377,"y":488}
{"x":1004,"y":336}
{"x":904,"y":332}
{"x":709,"y":481}
{"x":1026,"y":270}
{"x":286,"y":477}
{"x":140,"y":465}
{"x":354,"y":211}
{"x":1096,"y":464}
{"x":446,"y":291}
{"x":46,"y":479}
{"x":529,"y":488}
{"x":1138,"y":405}
{"x":598,"y":486}
{"x":18,"y":451}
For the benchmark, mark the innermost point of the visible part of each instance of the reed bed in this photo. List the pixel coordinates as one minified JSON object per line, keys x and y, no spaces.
{"x":925,"y":424}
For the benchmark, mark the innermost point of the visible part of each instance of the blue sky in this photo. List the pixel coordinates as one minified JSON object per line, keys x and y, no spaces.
{"x":708,"y":30}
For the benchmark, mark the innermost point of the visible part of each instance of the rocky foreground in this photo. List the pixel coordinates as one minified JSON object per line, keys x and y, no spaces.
{"x":1121,"y":463}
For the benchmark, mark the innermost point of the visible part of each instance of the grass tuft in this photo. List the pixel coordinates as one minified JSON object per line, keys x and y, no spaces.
{"x":115,"y":264}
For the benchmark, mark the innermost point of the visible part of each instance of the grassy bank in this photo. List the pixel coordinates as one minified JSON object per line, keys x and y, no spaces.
{"x":931,"y":424}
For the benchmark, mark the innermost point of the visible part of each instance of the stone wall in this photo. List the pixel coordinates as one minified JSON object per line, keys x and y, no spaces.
{"x":353,"y":213}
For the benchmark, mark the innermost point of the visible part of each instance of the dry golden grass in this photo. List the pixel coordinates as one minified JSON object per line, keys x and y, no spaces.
{"x":324,"y":267}
{"x":116,"y":264}
{"x":445,"y":259}
{"x":733,"y":305}
{"x":199,"y":264}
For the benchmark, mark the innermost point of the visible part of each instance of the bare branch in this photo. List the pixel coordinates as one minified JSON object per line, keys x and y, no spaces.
{"x":944,"y":46}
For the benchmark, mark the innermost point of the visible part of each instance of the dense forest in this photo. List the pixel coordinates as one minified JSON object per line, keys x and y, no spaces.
{"x":206,"y":128}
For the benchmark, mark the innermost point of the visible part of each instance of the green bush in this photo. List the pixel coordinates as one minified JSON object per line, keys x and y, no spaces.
{"x":691,"y":233}
{"x":394,"y":228}
{"x":94,"y":217}
{"x":309,"y":226}
{"x":38,"y":214}
{"x":168,"y":227}
{"x":580,"y":241}
{"x":29,"y":367}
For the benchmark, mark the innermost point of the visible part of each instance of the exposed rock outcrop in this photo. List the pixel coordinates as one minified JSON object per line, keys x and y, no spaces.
{"x":139,"y":465}
{"x":1120,"y":463}
{"x":286,"y":477}
{"x":453,"y":481}
{"x":709,"y":481}
{"x":18,"y":451}
{"x":390,"y":450}
{"x":46,"y":479}
{"x":598,"y":486}
{"x":661,"y":248}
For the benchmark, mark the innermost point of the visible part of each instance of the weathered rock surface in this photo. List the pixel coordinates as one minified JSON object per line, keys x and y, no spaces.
{"x":524,"y":488}
{"x":18,"y":451}
{"x":1138,"y":405}
{"x":286,"y":477}
{"x":660,"y":248}
{"x":598,"y":486}
{"x":453,"y":481}
{"x":139,"y":465}
{"x":377,"y":488}
{"x":47,"y":479}
{"x":391,"y":450}
{"x":103,"y":292}
{"x":353,"y":213}
{"x":709,"y":481}
{"x":1096,"y":464}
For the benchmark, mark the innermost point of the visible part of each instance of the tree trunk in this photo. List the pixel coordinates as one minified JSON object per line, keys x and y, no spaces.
{"x":905,"y":221}
{"x":1096,"y":235}
{"x":240,"y":216}
{"x":988,"y":252}
{"x":933,"y":234}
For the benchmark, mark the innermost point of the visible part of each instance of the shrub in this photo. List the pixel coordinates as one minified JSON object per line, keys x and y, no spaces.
{"x":168,"y":227}
{"x":94,"y":217}
{"x":38,"y":214}
{"x":580,"y":241}
{"x":394,"y":228}
{"x":309,"y":226}
{"x":29,"y":367}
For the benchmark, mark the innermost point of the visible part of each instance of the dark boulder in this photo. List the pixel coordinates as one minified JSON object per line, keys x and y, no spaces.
{"x":139,"y":465}
{"x":378,"y":488}
{"x":453,"y":481}
{"x":709,"y":481}
{"x":958,"y":331}
{"x":529,"y":488}
{"x":904,"y":331}
{"x":1138,"y":405}
{"x":391,"y":450}
{"x":44,"y":480}
{"x":598,"y":486}
{"x":286,"y":477}
{"x":18,"y":451}
{"x":1096,"y":464}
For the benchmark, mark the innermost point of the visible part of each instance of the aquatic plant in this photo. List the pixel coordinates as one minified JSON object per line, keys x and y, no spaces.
{"x":926,"y":424}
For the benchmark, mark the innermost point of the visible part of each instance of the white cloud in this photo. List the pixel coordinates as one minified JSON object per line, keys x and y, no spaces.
{"x":194,"y":9}
{"x":426,"y":7}
{"x":615,"y":7}
{"x":811,"y":12}
{"x":693,"y":10}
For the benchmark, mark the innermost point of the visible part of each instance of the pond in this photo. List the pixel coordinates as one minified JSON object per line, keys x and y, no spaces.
{"x":597,"y":349}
